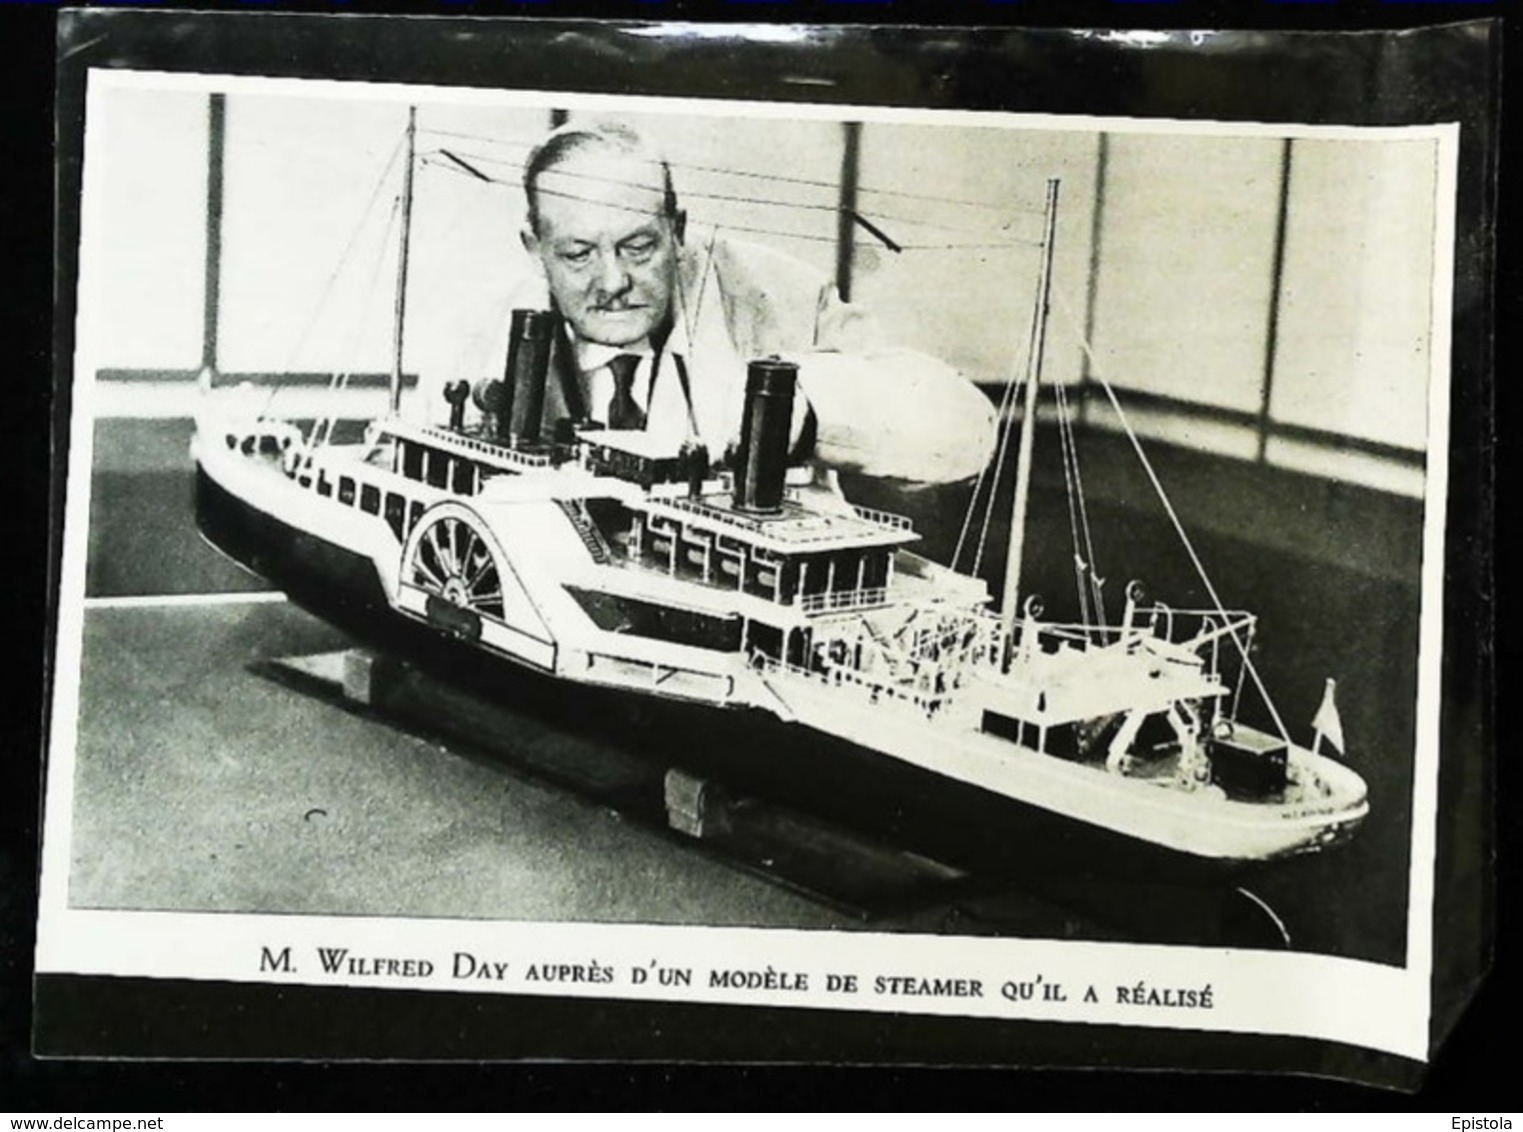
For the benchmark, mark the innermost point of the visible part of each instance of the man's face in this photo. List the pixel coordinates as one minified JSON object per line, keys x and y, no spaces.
{"x":608,"y":248}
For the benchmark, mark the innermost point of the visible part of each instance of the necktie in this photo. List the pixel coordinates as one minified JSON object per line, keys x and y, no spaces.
{"x":623,"y":412}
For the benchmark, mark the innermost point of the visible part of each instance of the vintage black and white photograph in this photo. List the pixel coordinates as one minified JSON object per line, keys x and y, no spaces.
{"x":870,"y":559}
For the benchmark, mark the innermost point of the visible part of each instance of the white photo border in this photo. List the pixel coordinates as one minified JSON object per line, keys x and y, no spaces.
{"x":1334,"y":999}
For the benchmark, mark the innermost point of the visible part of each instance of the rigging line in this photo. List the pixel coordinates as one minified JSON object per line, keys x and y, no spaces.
{"x":1008,"y":419}
{"x":1096,"y":591}
{"x":435,"y":131}
{"x":341,"y":379}
{"x":596,"y":179}
{"x":779,"y":178}
{"x":1005,"y":402}
{"x":368,"y":307}
{"x":773,"y":232}
{"x":997,"y":239}
{"x":1004,"y":245}
{"x":460,"y":167}
{"x":991,"y":237}
{"x":1088,"y":580}
{"x":690,"y":316}
{"x":967,"y":517}
{"x":1083,"y":548}
{"x":1002,"y":425}
{"x":1066,"y":443}
{"x":748,"y":229}
{"x":1095,"y":581}
{"x":1013,"y":391}
{"x":338,"y":267}
{"x":703,"y":281}
{"x":1242,"y":671}
{"x":1179,"y":529}
{"x":1012,"y":245}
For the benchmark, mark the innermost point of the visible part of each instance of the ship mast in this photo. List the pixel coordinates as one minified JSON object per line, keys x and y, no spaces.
{"x":1028,"y":416}
{"x":399,"y":310}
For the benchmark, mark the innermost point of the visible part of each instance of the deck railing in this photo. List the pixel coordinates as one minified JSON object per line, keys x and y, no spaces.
{"x":758,"y":526}
{"x":714,"y":515}
{"x":849,"y":679}
{"x":445,"y":438}
{"x":844,"y":599}
{"x":884,"y":518}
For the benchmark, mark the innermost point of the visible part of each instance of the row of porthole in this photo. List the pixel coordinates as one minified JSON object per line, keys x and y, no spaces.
{"x":398,"y":514}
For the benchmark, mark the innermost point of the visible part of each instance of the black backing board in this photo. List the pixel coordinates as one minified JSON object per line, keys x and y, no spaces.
{"x":82,"y":1016}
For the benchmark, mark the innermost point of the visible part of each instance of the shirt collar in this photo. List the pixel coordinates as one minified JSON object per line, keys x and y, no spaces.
{"x":593,"y":356}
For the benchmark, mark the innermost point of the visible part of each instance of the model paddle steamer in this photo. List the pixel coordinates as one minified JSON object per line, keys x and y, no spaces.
{"x":587,"y":556}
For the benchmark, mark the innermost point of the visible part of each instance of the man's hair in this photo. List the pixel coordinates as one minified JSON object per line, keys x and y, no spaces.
{"x":565,"y":141}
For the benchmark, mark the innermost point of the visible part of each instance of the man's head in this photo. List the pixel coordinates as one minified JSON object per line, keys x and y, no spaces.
{"x":603,"y":222}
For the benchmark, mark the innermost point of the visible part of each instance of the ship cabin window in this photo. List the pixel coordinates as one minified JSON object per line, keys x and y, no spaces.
{"x":346,"y":490}
{"x":370,"y":498}
{"x":324,"y":484}
{"x":875,"y":569}
{"x":846,"y":572}
{"x":815,"y":571}
{"x":415,"y":512}
{"x":764,"y":640}
{"x":1008,"y":727}
{"x":617,"y":614}
{"x":788,"y":579}
{"x":412,"y":460}
{"x":1065,"y":742}
{"x":464,"y":478}
{"x":839,"y":572}
{"x":796,"y":649}
{"x":790,"y":646}
{"x":762,"y":578}
{"x":436,"y":469}
{"x":396,"y":512}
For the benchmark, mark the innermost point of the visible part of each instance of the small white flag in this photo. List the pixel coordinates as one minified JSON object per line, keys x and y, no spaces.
{"x":1326,"y":722}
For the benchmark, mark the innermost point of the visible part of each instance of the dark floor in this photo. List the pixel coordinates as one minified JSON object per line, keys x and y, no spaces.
{"x":203,"y":785}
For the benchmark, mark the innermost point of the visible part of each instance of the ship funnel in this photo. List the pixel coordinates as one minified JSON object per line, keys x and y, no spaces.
{"x":762,"y":460}
{"x":523,"y":394}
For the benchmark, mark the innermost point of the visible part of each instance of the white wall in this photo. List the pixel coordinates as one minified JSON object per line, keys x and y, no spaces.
{"x":1182,"y":291}
{"x":305,"y":187}
{"x":1356,"y":305}
{"x":769,"y":182}
{"x":151,"y":239}
{"x":968,"y":206}
{"x":1186,"y":266}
